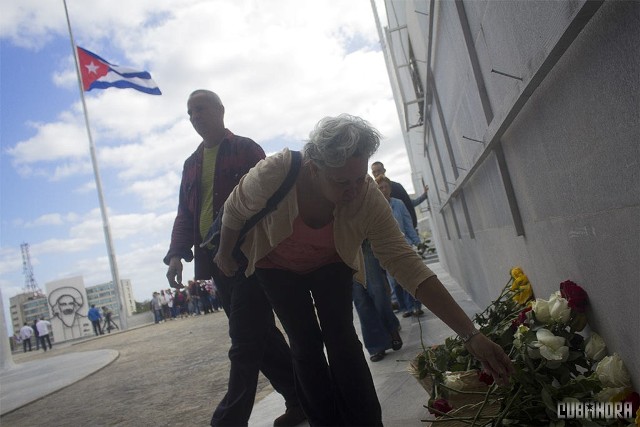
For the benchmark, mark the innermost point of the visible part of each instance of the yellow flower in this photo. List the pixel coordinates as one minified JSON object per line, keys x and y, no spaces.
{"x":523,"y":294}
{"x":516,"y":272}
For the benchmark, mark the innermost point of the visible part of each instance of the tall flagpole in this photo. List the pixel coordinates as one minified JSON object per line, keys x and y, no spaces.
{"x":105,"y":220}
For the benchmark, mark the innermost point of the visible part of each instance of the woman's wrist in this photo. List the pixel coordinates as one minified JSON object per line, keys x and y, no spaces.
{"x":469,"y":335}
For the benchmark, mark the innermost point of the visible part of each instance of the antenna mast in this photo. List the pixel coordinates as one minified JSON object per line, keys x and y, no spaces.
{"x":30,"y":284}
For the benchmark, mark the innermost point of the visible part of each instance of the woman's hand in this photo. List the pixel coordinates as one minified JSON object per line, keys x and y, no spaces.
{"x":226,"y":264}
{"x":494,"y":360}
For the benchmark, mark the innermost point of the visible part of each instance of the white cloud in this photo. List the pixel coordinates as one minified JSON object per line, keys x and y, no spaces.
{"x":52,"y":141}
{"x":44,"y":220}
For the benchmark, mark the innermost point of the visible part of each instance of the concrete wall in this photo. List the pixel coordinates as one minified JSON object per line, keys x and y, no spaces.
{"x":565,"y":202}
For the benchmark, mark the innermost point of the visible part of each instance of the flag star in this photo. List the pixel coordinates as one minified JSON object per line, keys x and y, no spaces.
{"x":92,"y":68}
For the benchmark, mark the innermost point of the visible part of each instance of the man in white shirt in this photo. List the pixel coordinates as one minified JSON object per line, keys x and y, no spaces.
{"x":44,"y":327}
{"x":25,"y":335}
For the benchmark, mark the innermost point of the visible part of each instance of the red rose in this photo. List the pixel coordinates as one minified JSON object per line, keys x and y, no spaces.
{"x":485,"y":378}
{"x":521,"y":319}
{"x":634,"y":398}
{"x":575,"y":295}
{"x":440,"y":406}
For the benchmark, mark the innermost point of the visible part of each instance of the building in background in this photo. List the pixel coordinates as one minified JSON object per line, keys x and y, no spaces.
{"x":105,"y":295}
{"x":523,"y":119}
{"x":26,"y":307}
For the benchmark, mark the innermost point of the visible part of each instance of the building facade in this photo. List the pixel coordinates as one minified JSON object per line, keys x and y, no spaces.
{"x":27,"y":307}
{"x":105,"y":295}
{"x":523,"y":118}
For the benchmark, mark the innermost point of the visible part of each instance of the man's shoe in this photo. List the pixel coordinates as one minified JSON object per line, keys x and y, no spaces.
{"x":418,"y":312}
{"x":407,"y":314}
{"x":396,"y":341}
{"x":292,"y":417}
{"x":377,"y":357}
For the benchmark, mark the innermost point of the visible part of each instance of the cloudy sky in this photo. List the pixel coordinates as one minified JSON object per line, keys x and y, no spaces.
{"x":278,"y":65}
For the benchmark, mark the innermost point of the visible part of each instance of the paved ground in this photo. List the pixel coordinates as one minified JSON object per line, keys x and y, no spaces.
{"x":174,"y":373}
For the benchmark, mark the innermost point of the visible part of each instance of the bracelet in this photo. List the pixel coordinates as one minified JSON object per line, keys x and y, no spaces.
{"x":466,"y":338}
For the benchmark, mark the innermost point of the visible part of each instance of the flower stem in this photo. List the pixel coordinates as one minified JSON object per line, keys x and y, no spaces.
{"x":509,"y":403}
{"x":484,"y":403}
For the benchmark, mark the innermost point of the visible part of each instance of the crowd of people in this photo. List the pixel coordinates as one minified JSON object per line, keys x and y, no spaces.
{"x":198,"y":297}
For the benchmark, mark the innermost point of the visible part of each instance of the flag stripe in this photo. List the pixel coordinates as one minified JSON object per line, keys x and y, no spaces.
{"x":124,"y":84}
{"x":115,"y":80}
{"x":129,"y":72}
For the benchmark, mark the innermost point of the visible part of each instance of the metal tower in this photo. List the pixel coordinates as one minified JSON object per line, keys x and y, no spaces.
{"x":30,"y":284}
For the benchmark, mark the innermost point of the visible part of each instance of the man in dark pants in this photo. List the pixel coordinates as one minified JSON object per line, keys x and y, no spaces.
{"x":208,"y":177}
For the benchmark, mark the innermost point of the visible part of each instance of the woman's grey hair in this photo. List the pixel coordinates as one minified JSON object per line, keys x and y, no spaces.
{"x":335,"y":139}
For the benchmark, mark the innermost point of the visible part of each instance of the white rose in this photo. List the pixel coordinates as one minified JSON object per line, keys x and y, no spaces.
{"x":551,"y":347}
{"x":541,"y":309}
{"x":606,"y":394}
{"x":555,"y":310}
{"x":595,"y":348}
{"x":612,"y":373}
{"x":559,"y":308}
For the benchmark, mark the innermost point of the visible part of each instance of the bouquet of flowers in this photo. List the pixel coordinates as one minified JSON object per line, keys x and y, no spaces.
{"x":556,"y":361}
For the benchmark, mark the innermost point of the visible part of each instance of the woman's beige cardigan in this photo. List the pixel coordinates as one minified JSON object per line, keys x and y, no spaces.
{"x":367,"y":217}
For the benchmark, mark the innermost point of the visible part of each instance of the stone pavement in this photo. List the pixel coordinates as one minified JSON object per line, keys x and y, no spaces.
{"x":401,"y":396}
{"x":34,"y":379}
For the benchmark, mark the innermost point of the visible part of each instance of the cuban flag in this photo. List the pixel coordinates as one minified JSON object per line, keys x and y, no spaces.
{"x":99,"y":74}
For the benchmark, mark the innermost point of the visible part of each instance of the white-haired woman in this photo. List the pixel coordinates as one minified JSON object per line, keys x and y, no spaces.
{"x":306,"y":252}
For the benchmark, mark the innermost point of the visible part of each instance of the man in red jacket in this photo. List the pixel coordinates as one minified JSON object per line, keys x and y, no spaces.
{"x":208,"y":177}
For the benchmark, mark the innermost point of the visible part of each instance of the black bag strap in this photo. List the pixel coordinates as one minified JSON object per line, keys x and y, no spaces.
{"x":276,"y":198}
{"x":272,"y":203}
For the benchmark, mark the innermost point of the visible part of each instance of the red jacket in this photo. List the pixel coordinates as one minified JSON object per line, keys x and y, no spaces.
{"x":236,"y":156}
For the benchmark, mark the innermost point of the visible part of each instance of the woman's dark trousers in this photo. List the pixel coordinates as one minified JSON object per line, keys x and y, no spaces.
{"x":340,"y":392}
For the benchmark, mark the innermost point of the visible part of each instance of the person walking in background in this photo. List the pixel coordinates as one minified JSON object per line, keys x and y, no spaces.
{"x":204,"y":297}
{"x":398,"y":192}
{"x":165,"y":299}
{"x":194,"y":298}
{"x":26,"y":332}
{"x":35,"y":333}
{"x":209,"y":175}
{"x":94,"y":315}
{"x":108,"y":322}
{"x":306,"y":252}
{"x":180,"y":303}
{"x":170,"y":304}
{"x":156,"y":307}
{"x":44,"y":328}
{"x":406,"y":302}
{"x":210,"y":286}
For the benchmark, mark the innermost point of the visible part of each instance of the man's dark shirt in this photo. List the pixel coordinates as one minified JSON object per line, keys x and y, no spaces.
{"x":398,"y":192}
{"x":236,"y":156}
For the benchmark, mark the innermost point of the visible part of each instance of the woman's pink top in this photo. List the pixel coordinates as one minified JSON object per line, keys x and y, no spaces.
{"x":305,"y":250}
